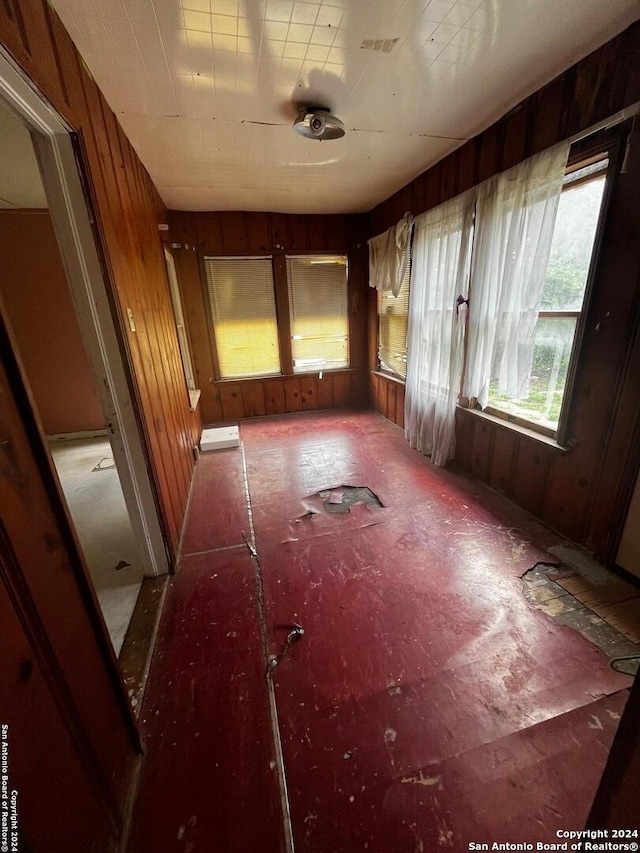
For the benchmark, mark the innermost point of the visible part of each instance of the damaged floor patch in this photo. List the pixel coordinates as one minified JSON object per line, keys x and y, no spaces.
{"x":342,"y":498}
{"x":607,"y":614}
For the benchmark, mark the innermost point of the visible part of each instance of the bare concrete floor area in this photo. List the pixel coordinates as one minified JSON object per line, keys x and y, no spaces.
{"x":93,"y":493}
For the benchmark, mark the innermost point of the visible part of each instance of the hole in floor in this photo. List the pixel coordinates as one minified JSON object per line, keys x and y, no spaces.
{"x":342,"y":498}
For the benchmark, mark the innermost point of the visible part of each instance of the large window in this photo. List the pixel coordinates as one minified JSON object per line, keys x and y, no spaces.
{"x":243,"y":311}
{"x":318,"y":312}
{"x":393,"y":316}
{"x":562,"y":300}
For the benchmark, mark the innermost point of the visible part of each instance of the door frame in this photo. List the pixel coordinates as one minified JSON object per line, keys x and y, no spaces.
{"x":70,"y":213}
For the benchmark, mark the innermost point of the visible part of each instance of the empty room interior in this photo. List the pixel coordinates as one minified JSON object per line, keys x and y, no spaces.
{"x":319,"y":425}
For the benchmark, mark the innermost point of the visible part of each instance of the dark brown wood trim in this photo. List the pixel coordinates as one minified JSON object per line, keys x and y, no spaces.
{"x":281,"y":285}
{"x":615,"y":161}
{"x":207,"y":307}
{"x":27,"y":612}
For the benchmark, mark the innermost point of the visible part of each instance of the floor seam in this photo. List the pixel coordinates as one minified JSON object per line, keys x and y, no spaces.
{"x":213,"y":550}
{"x":273,"y":708}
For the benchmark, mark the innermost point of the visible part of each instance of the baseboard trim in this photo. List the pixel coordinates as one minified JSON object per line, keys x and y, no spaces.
{"x":74,"y":436}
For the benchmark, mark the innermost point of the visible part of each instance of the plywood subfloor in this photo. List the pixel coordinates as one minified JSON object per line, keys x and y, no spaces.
{"x":427,"y":705}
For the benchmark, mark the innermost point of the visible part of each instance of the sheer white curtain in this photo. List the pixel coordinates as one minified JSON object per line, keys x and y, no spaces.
{"x":441,"y":256}
{"x":389,"y":256}
{"x":515,"y":217}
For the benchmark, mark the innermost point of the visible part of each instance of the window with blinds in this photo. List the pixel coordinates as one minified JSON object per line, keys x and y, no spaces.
{"x":243,"y":310}
{"x":393,"y":316}
{"x":318,"y":312}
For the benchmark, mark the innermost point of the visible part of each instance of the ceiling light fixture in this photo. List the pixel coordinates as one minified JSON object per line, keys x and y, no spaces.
{"x":318,"y":123}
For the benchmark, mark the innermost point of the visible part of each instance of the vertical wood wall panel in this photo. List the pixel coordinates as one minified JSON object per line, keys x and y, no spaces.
{"x":575,"y":491}
{"x":128,"y":210}
{"x":194,"y":235}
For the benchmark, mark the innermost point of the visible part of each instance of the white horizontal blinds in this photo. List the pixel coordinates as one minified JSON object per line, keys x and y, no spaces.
{"x":244,"y":315}
{"x":393,"y":316}
{"x":318,"y":310}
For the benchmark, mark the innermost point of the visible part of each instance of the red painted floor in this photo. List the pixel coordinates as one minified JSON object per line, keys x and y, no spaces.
{"x":428,"y":705}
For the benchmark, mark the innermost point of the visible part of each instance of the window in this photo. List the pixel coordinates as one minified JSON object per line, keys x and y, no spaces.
{"x":183,"y":339}
{"x":243,"y":311}
{"x":393,"y":317}
{"x":318,"y":312}
{"x":562,"y":300}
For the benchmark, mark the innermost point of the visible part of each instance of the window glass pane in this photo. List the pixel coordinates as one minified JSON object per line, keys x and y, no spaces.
{"x":318,"y":311}
{"x":572,"y":245}
{"x":551,"y":354}
{"x":183,"y":340}
{"x":243,"y":309}
{"x":393,"y":315}
{"x":569,"y":261}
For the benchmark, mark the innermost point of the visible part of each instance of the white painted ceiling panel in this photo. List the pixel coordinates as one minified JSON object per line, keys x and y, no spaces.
{"x":206,"y":89}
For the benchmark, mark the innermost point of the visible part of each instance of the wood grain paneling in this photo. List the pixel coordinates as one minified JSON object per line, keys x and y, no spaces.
{"x":576,"y":491}
{"x":127,"y":211}
{"x":83,"y":712}
{"x":36,"y":295}
{"x":195,"y":235}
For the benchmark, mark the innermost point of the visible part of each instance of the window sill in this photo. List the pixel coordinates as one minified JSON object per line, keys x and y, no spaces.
{"x":397,"y":379}
{"x":521,"y":430}
{"x":194,"y":398}
{"x":271,"y":376}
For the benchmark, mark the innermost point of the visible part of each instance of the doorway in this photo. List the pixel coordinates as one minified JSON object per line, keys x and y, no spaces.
{"x":54,"y":298}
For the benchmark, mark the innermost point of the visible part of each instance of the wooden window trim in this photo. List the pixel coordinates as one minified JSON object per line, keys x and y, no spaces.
{"x":283,"y":317}
{"x":578,"y":159}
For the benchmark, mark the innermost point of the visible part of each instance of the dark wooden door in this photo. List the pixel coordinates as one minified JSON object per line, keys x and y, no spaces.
{"x":71,"y":740}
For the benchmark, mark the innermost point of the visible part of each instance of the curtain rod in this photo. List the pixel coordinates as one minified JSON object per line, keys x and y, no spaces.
{"x":612,"y":121}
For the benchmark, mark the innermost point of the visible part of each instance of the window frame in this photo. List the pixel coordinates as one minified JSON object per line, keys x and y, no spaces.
{"x":387,"y":371}
{"x":204,"y":256}
{"x":281,"y":295}
{"x":327,"y":254}
{"x":598,"y":149}
{"x":182,"y":331}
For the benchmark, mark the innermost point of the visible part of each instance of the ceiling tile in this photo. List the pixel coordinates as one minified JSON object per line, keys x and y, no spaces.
{"x":225,"y":24}
{"x":279,"y":10}
{"x":305,"y":13}
{"x":323,"y":35}
{"x":196,"y":5}
{"x":190,"y":79}
{"x":200,"y":21}
{"x":276,"y":30}
{"x":299,"y":33}
{"x":437,"y":10}
{"x":225,"y":7}
{"x":317,"y":53}
{"x":459,"y":14}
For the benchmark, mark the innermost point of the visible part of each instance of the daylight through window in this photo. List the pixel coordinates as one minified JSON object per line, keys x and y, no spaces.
{"x":562,"y":299}
{"x":243,"y":311}
{"x":318,"y":312}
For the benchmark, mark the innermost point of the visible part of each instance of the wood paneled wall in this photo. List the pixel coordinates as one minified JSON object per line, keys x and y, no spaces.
{"x":128,"y":210}
{"x":240,"y":233}
{"x":579,"y":491}
{"x":36,"y":295}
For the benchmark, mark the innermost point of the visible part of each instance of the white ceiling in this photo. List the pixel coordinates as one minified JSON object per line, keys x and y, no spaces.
{"x":204,"y":88}
{"x":20,"y":182}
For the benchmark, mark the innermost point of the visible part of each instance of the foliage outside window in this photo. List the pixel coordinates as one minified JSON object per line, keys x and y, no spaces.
{"x":393,"y":317}
{"x":562,"y":300}
{"x":243,"y":310}
{"x":318,"y":312}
